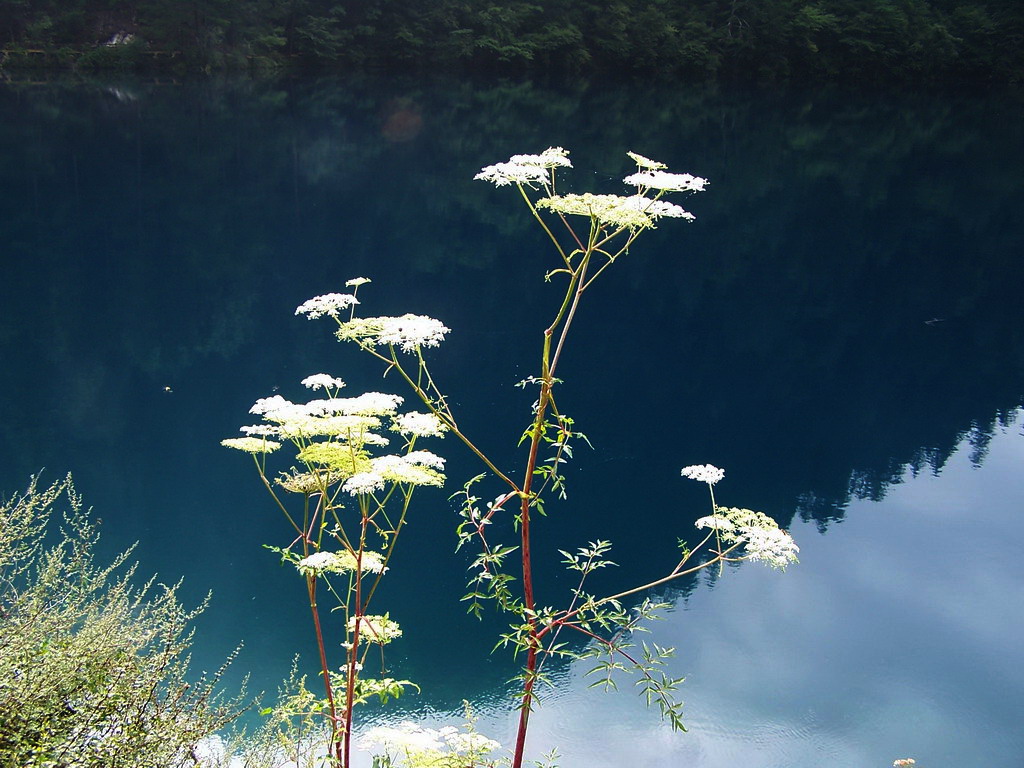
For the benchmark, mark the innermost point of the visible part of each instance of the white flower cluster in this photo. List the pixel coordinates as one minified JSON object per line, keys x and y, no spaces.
{"x":348,"y":426}
{"x":615,"y":211}
{"x":618,"y":212}
{"x":351,"y":428}
{"x":364,"y":483}
{"x":376,"y":629}
{"x":322,"y":381}
{"x":252,"y":445}
{"x":552,"y":157}
{"x":424,"y":459}
{"x":347,"y":418}
{"x":761,"y":536}
{"x":645,"y":163}
{"x":715,"y":523}
{"x":668,"y":182}
{"x":328,"y":304}
{"x":705,"y":473}
{"x":308,"y":482}
{"x":771,"y":546}
{"x":340,"y":562}
{"x":411,"y":331}
{"x":265,"y":405}
{"x":503,"y":174}
{"x":339,"y":416}
{"x":415,"y":468}
{"x":408,"y":332}
{"x":366,"y":404}
{"x":658,"y":208}
{"x":428,"y":746}
{"x":419,"y":425}
{"x":525,"y":169}
{"x":263,"y":430}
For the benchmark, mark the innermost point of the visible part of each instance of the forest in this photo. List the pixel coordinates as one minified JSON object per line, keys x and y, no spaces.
{"x":862,"y":40}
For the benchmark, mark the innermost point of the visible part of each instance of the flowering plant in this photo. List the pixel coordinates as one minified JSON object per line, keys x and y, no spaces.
{"x":353,"y":501}
{"x":610,"y":226}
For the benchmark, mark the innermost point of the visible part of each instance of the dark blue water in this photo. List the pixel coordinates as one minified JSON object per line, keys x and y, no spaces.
{"x":841,"y":329}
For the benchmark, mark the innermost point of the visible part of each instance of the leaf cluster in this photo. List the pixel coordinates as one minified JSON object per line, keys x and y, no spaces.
{"x":93,"y":669}
{"x":780,"y":38}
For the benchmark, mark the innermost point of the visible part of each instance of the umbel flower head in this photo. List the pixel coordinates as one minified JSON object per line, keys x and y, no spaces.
{"x":328,"y":304}
{"x":415,"y":469}
{"x":618,"y":212}
{"x":322,"y":381}
{"x":609,"y":210}
{"x":411,"y":331}
{"x":314,"y":481}
{"x":656,"y":209}
{"x":552,"y":157}
{"x":645,"y":163}
{"x":376,"y":629}
{"x":335,"y":437}
{"x":417,"y":424}
{"x":526,"y":170}
{"x":668,"y":182}
{"x":705,"y":473}
{"x":251,"y":444}
{"x":716,"y":523}
{"x":260,"y":430}
{"x":340,"y":562}
{"x":408,"y":332}
{"x":760,"y":536}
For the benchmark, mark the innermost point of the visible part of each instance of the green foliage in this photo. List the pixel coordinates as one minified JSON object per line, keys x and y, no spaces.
{"x":93,"y":670}
{"x":292,"y":733}
{"x":767,"y":38}
{"x":128,"y":56}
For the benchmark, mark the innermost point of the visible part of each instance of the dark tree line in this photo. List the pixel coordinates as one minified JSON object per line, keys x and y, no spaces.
{"x":866,"y":39}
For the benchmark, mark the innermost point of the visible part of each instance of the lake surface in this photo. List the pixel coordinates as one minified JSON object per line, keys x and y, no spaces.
{"x":841,"y":329}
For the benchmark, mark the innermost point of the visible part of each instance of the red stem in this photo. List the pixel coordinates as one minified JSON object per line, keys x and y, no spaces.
{"x":311,"y":587}
{"x":528,"y":601}
{"x":354,"y":652}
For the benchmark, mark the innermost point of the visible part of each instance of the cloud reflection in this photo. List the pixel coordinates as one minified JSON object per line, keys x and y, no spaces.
{"x":897,"y":635}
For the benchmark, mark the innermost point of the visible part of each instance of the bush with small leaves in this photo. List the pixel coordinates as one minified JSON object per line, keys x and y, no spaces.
{"x":93,"y":668}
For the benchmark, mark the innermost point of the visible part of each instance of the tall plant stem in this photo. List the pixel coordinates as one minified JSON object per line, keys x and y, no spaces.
{"x":565,"y":313}
{"x":550,"y":234}
{"x":579,"y":284}
{"x":350,"y":688}
{"x":528,"y":599}
{"x":311,"y":588}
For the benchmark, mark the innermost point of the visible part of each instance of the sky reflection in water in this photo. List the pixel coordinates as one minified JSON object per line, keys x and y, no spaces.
{"x":895,"y":636}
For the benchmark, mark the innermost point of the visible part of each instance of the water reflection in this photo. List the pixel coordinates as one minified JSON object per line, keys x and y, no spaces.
{"x":897,"y":301}
{"x":846,"y":301}
{"x":889,"y":639}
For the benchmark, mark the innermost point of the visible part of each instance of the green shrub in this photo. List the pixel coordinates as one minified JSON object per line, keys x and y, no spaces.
{"x":93,"y":669}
